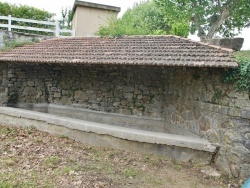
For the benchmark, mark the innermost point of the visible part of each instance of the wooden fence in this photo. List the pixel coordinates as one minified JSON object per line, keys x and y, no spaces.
{"x":56,"y":29}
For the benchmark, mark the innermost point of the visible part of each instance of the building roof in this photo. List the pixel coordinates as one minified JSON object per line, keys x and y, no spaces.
{"x":165,"y":50}
{"x":95,"y":5}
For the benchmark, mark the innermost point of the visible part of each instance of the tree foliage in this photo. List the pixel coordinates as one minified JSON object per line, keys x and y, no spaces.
{"x":27,"y":12}
{"x":143,"y":19}
{"x":66,"y":18}
{"x":210,"y":17}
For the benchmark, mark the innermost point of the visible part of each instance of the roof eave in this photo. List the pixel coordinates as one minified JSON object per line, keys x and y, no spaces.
{"x":75,"y":63}
{"x":95,"y":5}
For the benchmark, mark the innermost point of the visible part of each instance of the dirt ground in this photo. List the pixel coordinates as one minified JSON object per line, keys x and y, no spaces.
{"x":30,"y":158}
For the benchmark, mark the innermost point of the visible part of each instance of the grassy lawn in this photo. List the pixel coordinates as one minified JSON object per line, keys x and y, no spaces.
{"x":29,"y":158}
{"x":243,"y":54}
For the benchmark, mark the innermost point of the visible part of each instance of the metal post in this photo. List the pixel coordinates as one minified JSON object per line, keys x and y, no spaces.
{"x":9,"y":22}
{"x":57,"y":32}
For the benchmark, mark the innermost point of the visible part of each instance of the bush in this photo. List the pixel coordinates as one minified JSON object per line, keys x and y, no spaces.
{"x":143,"y":19}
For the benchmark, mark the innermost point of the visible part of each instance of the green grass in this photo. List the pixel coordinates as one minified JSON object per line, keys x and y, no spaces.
{"x":11,"y":180}
{"x":7,"y":162}
{"x":63,"y":136}
{"x":52,"y":161}
{"x":5,"y":185}
{"x":242,"y":54}
{"x":176,"y":165}
{"x":129,"y":172}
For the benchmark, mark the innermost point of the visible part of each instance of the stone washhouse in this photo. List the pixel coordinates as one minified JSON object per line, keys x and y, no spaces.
{"x":159,"y":94}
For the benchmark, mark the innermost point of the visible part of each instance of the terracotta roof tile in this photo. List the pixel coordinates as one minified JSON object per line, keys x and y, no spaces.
{"x":129,"y":50}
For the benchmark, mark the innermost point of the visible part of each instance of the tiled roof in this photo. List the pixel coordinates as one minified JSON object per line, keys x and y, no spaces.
{"x":129,"y":50}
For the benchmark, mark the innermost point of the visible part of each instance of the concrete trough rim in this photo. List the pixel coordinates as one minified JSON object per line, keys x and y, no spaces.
{"x":78,"y":108}
{"x":112,"y":130}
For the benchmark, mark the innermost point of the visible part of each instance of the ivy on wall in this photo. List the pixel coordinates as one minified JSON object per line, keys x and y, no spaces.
{"x":240,"y":76}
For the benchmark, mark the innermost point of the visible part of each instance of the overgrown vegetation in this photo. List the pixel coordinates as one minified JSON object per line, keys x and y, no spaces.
{"x":143,"y":19}
{"x":240,"y":76}
{"x":10,"y":44}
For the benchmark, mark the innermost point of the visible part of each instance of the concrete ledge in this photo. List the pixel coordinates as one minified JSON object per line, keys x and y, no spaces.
{"x":56,"y":125}
{"x":129,"y":121}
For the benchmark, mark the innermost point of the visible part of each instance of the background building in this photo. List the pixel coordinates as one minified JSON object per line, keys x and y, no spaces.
{"x":89,"y":16}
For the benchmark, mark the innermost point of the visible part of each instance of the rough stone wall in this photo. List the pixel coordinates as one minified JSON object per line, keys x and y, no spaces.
{"x":193,"y":99}
{"x":26,"y":84}
{"x":126,"y":90}
{"x":2,"y":89}
{"x":229,"y":127}
{"x":197,"y":101}
{"x":203,"y":84}
{"x":3,"y":84}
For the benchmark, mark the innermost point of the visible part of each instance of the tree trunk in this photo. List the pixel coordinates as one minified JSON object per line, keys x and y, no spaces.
{"x":201,"y":33}
{"x":215,"y":25}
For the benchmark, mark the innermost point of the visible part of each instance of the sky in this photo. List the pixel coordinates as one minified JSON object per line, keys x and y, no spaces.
{"x":55,"y":6}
